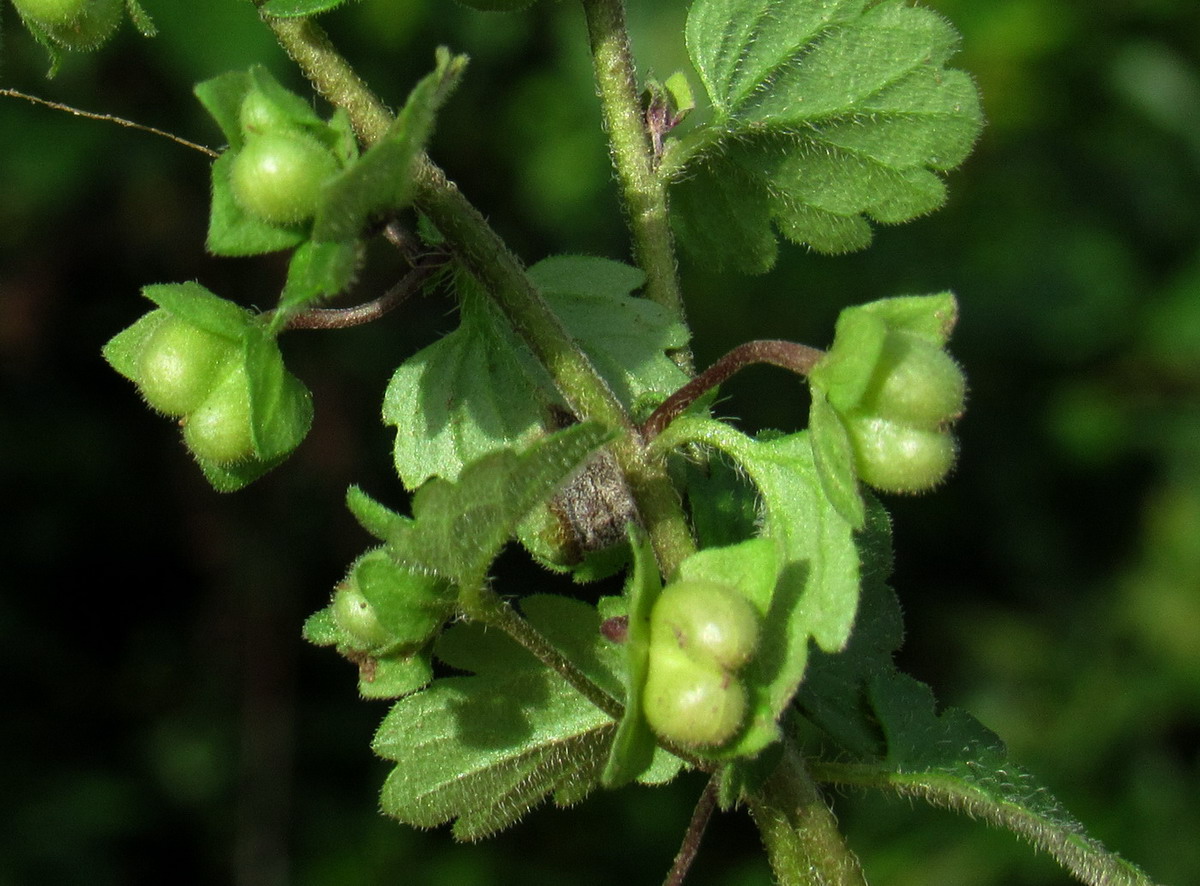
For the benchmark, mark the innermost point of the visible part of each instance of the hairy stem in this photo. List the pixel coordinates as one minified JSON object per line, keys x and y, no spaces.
{"x":799,"y":830}
{"x":481,"y":251}
{"x":643,"y":191}
{"x":367,"y":312}
{"x":489,"y":608}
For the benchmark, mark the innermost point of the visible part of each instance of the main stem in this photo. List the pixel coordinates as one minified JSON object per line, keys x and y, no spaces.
{"x":803,"y":841}
{"x":481,"y":251}
{"x":643,"y":191}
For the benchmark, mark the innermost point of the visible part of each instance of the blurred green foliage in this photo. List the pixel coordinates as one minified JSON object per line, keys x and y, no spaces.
{"x":164,"y":720}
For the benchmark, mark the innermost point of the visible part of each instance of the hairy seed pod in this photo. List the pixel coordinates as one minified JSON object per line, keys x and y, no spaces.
{"x":691,"y":703}
{"x":219,"y":429}
{"x":707,"y":621}
{"x":278,"y":177}
{"x":915,"y":383}
{"x":895,"y":457}
{"x":180,"y":364}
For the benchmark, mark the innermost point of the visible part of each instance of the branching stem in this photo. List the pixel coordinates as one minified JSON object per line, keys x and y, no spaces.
{"x":480,"y":250}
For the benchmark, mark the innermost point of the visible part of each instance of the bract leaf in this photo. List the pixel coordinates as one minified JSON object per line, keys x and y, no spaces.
{"x":459,"y":528}
{"x":634,"y":744}
{"x":394,"y":676}
{"x":845,"y":372}
{"x":482,"y":750}
{"x":280,"y":405}
{"x":825,"y":114}
{"x":834,"y":460}
{"x":479,"y":389}
{"x":381,"y":180}
{"x":376,"y":518}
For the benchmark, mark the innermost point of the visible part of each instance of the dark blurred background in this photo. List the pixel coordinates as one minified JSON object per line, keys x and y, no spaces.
{"x":163,"y":721}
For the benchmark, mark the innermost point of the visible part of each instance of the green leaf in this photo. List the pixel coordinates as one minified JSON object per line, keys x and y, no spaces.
{"x":952,"y":760}
{"x":478,"y":389}
{"x":825,"y":114}
{"x":381,"y":181}
{"x":722,"y":503}
{"x":816,"y":594}
{"x":889,"y":734}
{"x":834,"y":693}
{"x":466,"y":395}
{"x":626,"y":338}
{"x":482,"y":750}
{"x":394,"y":676}
{"x":459,"y":528}
{"x":298,"y":8}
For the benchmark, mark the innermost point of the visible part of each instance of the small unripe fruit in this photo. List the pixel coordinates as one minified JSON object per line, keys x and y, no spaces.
{"x":218,"y":430}
{"x":180,"y":364}
{"x":278,"y":176}
{"x":706,"y":620}
{"x":258,"y":116}
{"x":894,"y":457}
{"x":691,"y":703}
{"x":76,"y":24}
{"x":915,"y":383}
{"x":354,"y":615}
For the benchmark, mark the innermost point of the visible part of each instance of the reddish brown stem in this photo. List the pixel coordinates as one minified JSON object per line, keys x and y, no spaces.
{"x":343,"y":318}
{"x":694,"y":835}
{"x":799,"y":359}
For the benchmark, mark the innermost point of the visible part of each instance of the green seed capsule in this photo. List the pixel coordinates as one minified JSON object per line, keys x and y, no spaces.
{"x":180,"y":364}
{"x":354,"y":615}
{"x":278,"y":176}
{"x":915,"y":383}
{"x":219,"y":429}
{"x":691,"y":703}
{"x":894,"y":457}
{"x":260,"y":116}
{"x":707,"y":621}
